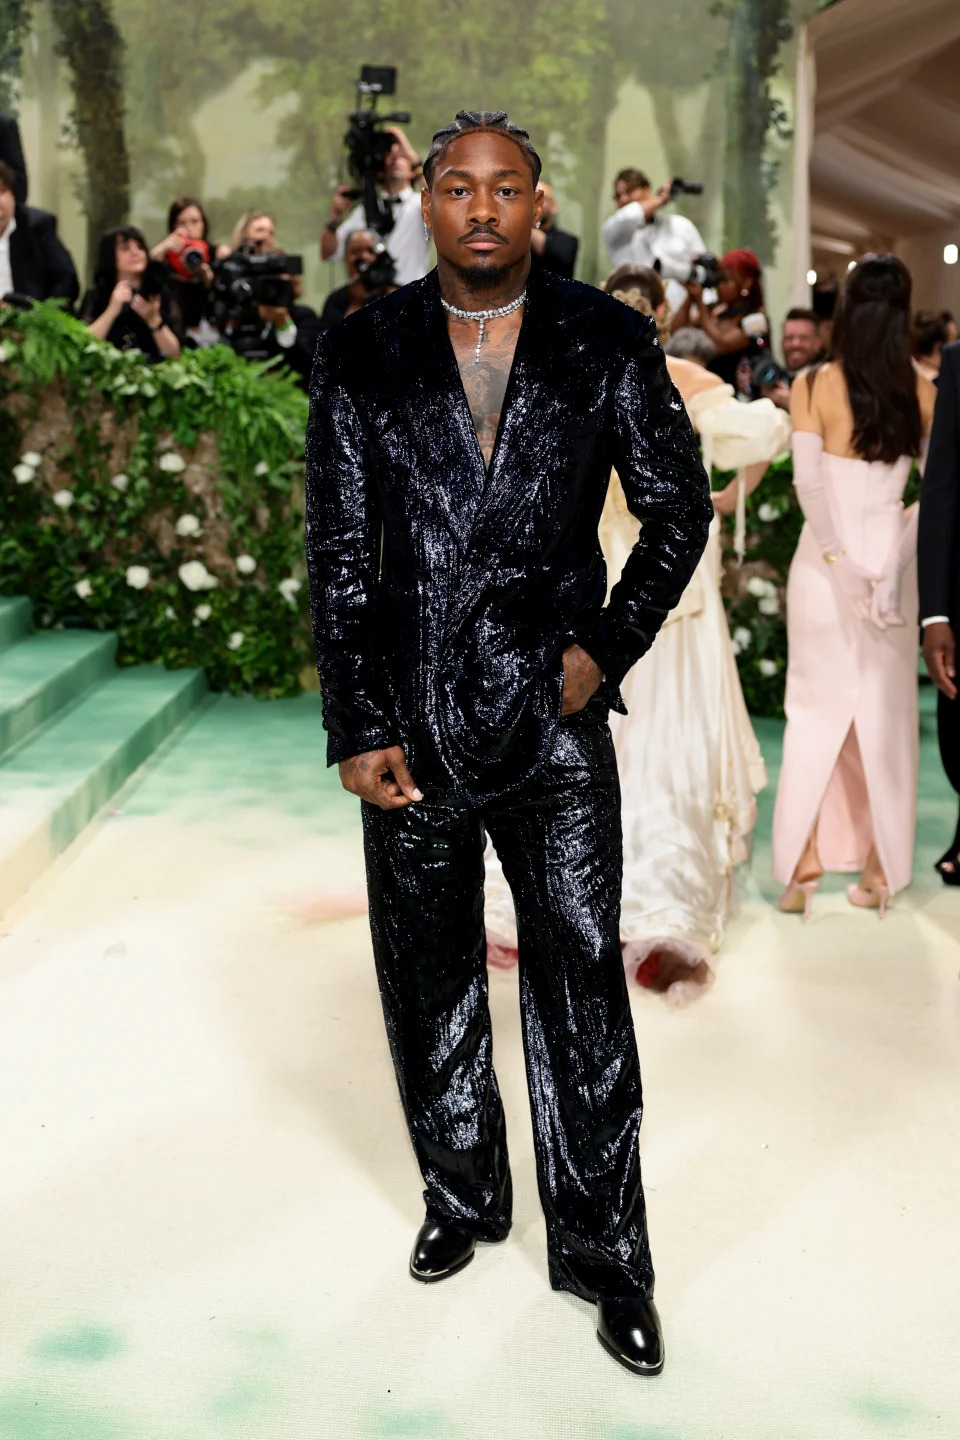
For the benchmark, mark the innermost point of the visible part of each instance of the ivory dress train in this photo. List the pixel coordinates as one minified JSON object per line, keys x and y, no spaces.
{"x":689,"y":762}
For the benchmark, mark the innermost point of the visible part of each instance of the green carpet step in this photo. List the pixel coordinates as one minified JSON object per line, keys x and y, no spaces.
{"x":44,"y":672}
{"x":54,"y":784}
{"x":15,"y":615}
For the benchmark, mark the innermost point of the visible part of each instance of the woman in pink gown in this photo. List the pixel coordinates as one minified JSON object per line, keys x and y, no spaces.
{"x":846,"y":799}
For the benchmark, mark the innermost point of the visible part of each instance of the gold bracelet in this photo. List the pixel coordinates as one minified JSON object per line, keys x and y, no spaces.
{"x":832,"y":559}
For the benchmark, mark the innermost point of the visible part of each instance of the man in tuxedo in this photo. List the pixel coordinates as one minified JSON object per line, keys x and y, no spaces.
{"x":34,"y":263}
{"x":461,"y":436}
{"x":938,"y":559}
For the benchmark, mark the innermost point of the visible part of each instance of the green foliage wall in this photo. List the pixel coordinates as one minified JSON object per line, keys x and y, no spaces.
{"x":162,"y":502}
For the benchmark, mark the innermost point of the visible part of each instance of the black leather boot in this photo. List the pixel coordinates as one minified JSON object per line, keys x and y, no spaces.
{"x":439,"y":1250}
{"x":629,"y":1330}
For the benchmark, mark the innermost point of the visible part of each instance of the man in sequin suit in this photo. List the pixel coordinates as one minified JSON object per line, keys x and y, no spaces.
{"x":455,"y":478}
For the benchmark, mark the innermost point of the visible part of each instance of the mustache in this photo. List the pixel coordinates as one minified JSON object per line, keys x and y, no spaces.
{"x":485,"y":232}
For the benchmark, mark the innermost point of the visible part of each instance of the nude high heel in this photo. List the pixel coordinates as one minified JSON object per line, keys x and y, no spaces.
{"x":797,"y":899}
{"x":872,"y":898}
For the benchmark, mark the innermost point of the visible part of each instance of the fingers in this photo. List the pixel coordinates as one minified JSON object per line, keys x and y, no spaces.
{"x":402,"y":776}
{"x":940,"y":674}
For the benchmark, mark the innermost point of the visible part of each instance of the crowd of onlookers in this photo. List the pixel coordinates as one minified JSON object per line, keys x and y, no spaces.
{"x":160,"y":299}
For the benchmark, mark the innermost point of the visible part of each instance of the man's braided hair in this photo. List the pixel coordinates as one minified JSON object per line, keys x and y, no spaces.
{"x":482,"y":122}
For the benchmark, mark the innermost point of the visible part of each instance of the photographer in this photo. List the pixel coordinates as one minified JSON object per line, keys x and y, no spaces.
{"x":255,"y":304}
{"x":129,"y":304}
{"x":34,"y":263}
{"x":189,"y":256}
{"x":551,"y":248}
{"x":406,"y":242}
{"x":371,"y":272}
{"x":737,"y":324}
{"x":639,"y":233}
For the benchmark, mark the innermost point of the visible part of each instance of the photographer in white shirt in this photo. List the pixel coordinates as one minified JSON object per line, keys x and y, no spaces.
{"x":639,"y":232}
{"x":406,"y":242}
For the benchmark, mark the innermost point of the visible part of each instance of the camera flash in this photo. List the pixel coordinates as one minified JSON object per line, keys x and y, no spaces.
{"x":950,"y":254}
{"x":811,"y":277}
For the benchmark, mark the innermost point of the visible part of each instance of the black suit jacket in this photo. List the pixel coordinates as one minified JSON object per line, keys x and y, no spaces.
{"x":938,"y":541}
{"x":442,"y":595}
{"x":39,"y":261}
{"x":559,"y":253}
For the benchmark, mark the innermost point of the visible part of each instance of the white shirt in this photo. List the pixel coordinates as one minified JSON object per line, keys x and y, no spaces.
{"x":632,"y":239}
{"x":6,"y":274}
{"x":406,"y":241}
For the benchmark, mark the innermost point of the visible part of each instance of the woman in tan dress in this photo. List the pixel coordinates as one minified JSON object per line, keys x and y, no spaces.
{"x":846,"y":799}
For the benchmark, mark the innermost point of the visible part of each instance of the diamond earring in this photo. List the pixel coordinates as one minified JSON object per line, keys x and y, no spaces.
{"x":427,"y":232}
{"x":538,"y":224}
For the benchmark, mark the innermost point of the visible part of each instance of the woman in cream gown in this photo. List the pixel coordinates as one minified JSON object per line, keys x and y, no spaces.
{"x":847,"y":794}
{"x":689,"y":762}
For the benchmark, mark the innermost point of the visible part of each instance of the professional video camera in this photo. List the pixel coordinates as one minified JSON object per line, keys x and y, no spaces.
{"x":701,"y":270}
{"x":368,"y":146}
{"x":243,"y":281}
{"x":378,"y":272}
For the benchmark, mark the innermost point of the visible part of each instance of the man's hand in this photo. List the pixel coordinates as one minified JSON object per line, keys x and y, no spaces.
{"x":380,"y":776}
{"x":276,"y":315}
{"x":581,"y":676}
{"x":342,"y":201}
{"x":940,"y":657}
{"x":656,"y":202}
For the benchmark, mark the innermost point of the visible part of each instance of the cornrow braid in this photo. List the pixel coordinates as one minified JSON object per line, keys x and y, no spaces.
{"x":474,"y":122}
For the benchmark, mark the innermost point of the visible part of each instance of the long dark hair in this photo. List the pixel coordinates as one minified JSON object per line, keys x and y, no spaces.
{"x":183,"y":202}
{"x":105,"y":273}
{"x":871,"y":340}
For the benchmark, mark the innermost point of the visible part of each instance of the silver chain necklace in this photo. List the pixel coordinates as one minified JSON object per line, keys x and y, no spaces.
{"x":484,"y":315}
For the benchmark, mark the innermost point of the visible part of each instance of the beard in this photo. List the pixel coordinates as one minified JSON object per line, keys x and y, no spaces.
{"x":480,"y":278}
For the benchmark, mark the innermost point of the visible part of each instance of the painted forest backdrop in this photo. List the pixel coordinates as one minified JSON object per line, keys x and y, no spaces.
{"x":125,"y":103}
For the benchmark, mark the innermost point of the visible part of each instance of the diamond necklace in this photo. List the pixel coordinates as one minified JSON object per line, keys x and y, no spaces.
{"x":484,"y":315}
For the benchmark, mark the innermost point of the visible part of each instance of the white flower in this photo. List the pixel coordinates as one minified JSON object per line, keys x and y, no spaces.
{"x":246,"y":564}
{"x":172,"y":463}
{"x":261,"y":468}
{"x":769,"y":605}
{"x":188,"y":525}
{"x":63,"y":498}
{"x":203,"y":612}
{"x":742,"y":639}
{"x":120,"y":482}
{"x":196,"y":576}
{"x":84,"y":589}
{"x":760,"y":587}
{"x":288,"y":589}
{"x":4,"y":354}
{"x":767,"y":667}
{"x":235,"y":641}
{"x":23,"y":474}
{"x":32,"y":458}
{"x":170,"y":613}
{"x":138,"y":577}
{"x":767,"y":512}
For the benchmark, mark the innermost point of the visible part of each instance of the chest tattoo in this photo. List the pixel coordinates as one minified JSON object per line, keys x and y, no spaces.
{"x":485,"y":380}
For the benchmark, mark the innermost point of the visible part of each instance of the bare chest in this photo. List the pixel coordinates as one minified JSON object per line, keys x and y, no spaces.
{"x":485,"y":380}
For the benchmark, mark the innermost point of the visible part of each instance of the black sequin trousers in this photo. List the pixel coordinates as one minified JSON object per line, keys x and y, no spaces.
{"x":559,"y":841}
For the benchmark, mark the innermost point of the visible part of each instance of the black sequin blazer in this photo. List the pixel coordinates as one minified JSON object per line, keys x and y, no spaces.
{"x":442,"y":595}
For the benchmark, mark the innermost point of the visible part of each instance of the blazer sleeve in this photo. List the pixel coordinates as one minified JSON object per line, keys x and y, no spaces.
{"x":937,"y":558}
{"x":59,"y":270}
{"x":658,"y":461}
{"x":343,"y":529}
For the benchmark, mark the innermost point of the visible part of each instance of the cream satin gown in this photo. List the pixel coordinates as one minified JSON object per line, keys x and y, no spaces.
{"x":689,"y":762}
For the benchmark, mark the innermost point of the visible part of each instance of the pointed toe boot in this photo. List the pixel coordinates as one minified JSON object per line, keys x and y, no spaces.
{"x":629,"y":1330}
{"x":440,"y":1250}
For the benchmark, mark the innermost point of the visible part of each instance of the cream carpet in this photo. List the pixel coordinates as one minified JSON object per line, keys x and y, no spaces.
{"x":207,"y":1196}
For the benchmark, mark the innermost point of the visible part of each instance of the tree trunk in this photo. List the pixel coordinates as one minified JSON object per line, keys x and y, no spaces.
{"x":758,"y":29}
{"x":93,"y":47}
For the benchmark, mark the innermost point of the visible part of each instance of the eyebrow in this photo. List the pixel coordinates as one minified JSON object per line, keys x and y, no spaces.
{"x":469,"y":175}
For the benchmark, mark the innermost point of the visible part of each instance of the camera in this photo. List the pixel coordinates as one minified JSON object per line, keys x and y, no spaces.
{"x":684,"y":187}
{"x":378,"y":272}
{"x":766,"y":374}
{"x":368,"y":146}
{"x":243,"y":281}
{"x":194,"y":255}
{"x":153,"y":281}
{"x":701,"y":270}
